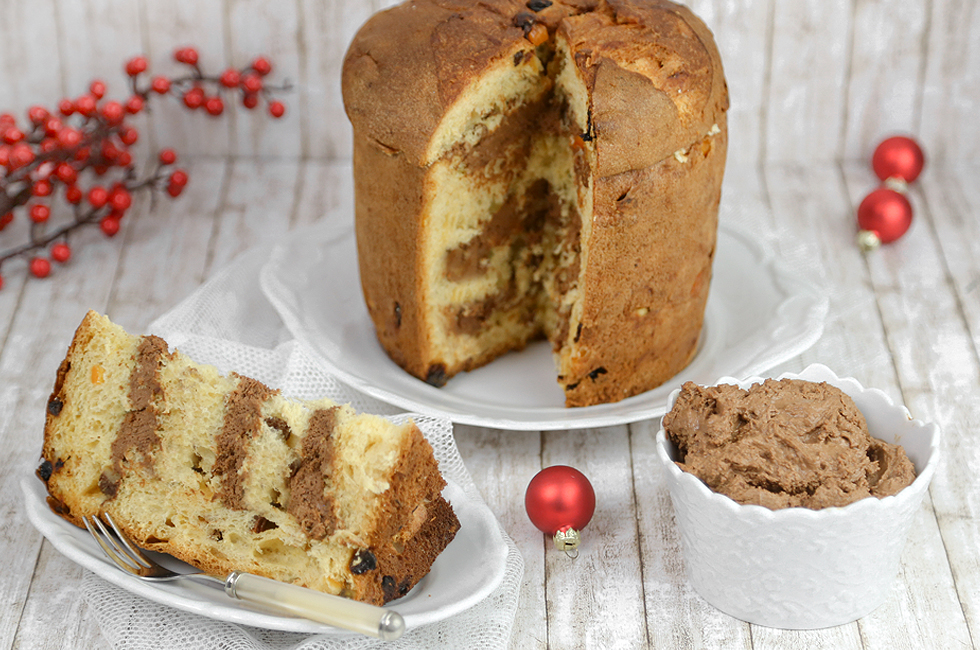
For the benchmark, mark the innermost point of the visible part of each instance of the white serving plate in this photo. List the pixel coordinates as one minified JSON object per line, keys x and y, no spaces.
{"x":466,"y":572}
{"x":759,"y":314}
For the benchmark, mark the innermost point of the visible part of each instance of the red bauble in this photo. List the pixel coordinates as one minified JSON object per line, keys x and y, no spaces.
{"x":886,"y":213}
{"x":560,"y":501}
{"x":900,"y":157}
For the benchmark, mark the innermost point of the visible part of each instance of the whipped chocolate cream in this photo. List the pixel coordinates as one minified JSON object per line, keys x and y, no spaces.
{"x":781,"y":444}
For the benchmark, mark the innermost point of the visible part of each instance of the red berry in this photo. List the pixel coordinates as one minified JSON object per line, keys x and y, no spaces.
{"x":128,"y":135}
{"x":230,"y":78}
{"x":4,"y":155}
{"x":66,"y":173}
{"x":97,"y":88}
{"x":6,"y":219}
{"x":60,"y":253}
{"x":113,"y":112}
{"x":136,"y":65}
{"x":178,"y":177}
{"x":168,"y":157}
{"x":1,"y":282}
{"x":174,"y":190}
{"x":73,"y":194}
{"x":69,"y":137}
{"x":120,"y":199}
{"x":125,"y":159}
{"x":66,"y":107}
{"x":277,"y":109}
{"x":40,"y":267}
{"x":134,"y":104}
{"x":40,"y":213}
{"x":186,"y":55}
{"x":262,"y":65}
{"x":160,"y":85}
{"x":214,"y":106}
{"x":252,"y":83}
{"x":6,"y":119}
{"x":97,"y":196}
{"x":41,"y":188}
{"x":109,"y":225}
{"x":52,"y":126}
{"x":194,"y":98}
{"x":86,"y":105}
{"x":13,"y":135}
{"x":20,"y":155}
{"x":83,"y":154}
{"x":37,"y":114}
{"x":109,"y":151}
{"x":250,"y":100}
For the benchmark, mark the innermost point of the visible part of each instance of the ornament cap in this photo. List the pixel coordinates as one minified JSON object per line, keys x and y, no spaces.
{"x":567,"y":539}
{"x":868,"y":240}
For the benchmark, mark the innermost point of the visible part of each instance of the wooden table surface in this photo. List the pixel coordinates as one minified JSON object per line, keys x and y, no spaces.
{"x":905,"y":319}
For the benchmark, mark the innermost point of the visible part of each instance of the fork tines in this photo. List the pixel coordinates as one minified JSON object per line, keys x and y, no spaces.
{"x":115,"y":545}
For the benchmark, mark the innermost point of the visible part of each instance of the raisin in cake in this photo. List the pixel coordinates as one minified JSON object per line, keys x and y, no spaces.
{"x":227,"y":474}
{"x":538,"y":169}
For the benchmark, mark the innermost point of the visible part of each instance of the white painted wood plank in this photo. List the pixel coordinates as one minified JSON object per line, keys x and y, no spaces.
{"x":97,"y":37}
{"x":46,"y":317}
{"x":884,"y":89}
{"x":816,"y":239}
{"x":935,"y":360}
{"x":741,"y":29}
{"x":167,"y":249}
{"x":502,"y":463}
{"x":259,"y":206}
{"x":256,"y":27}
{"x":326,"y":193}
{"x":327,"y":27}
{"x":952,"y":197}
{"x":172,"y":24}
{"x":676,"y":616}
{"x":808,"y":73}
{"x":30,"y":69}
{"x":56,"y":615}
{"x":951,"y":84}
{"x":596,"y":600}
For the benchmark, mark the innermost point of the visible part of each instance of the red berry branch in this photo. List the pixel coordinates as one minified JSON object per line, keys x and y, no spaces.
{"x":57,"y":153}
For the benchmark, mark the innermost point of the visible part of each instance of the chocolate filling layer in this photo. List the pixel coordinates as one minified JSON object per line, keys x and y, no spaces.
{"x":137,"y":438}
{"x":308,"y":501}
{"x":243,"y":418}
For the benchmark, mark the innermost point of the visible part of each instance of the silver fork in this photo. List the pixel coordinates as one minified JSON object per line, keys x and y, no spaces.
{"x":283,"y":598}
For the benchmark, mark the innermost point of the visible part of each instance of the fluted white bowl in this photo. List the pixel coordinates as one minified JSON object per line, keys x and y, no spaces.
{"x":798,"y":568}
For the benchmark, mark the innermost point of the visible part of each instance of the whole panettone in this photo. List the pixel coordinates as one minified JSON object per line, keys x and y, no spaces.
{"x":539,"y":169}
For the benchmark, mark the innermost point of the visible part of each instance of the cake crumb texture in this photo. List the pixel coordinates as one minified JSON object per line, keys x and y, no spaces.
{"x":783,"y":443}
{"x":227,"y":474}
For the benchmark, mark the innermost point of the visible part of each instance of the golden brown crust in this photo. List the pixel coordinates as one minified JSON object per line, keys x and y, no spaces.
{"x":657,"y":102}
{"x":650,"y":259}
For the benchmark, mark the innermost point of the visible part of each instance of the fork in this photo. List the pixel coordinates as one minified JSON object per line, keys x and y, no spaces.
{"x":283,"y":598}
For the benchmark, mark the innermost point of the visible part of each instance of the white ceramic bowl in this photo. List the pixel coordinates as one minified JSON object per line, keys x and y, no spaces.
{"x":798,"y":568}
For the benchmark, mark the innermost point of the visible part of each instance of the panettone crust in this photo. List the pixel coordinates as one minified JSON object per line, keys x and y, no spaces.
{"x":657,"y":134}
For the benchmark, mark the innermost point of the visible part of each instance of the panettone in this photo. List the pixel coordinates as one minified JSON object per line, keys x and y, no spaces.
{"x":538,"y":169}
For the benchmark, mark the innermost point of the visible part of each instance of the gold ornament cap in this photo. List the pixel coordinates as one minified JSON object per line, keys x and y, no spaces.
{"x":567,"y":539}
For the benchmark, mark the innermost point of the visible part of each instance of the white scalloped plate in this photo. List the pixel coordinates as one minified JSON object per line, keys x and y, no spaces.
{"x":759,"y":314}
{"x":466,"y":572}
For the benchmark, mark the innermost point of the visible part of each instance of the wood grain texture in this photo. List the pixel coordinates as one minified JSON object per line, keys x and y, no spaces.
{"x":804,"y":107}
{"x":951,"y":81}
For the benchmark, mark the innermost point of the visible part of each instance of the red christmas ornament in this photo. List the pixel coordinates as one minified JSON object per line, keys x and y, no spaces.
{"x":560,"y":502}
{"x":885,"y":214}
{"x":898,"y":157}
